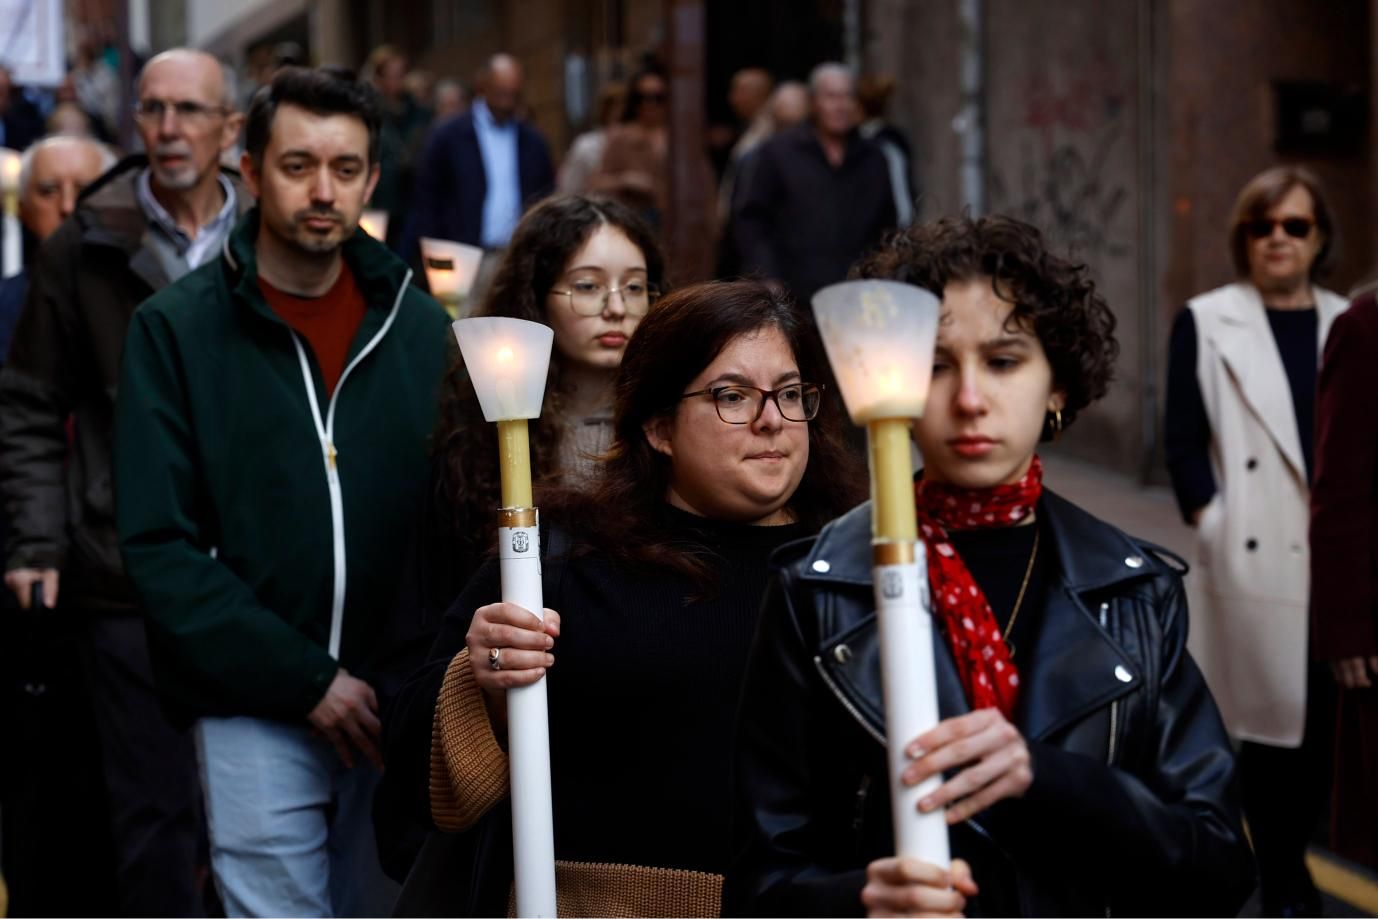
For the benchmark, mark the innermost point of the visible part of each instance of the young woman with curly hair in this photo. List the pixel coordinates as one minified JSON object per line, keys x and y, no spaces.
{"x":724,"y":450}
{"x":1085,"y":765}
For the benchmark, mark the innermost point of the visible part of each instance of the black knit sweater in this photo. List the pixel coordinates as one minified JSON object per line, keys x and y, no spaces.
{"x":643,"y":696}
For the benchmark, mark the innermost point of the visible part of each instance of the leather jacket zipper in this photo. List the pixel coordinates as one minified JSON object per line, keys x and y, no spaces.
{"x":1114,"y":706}
{"x":846,"y":703}
{"x":1114,"y":718}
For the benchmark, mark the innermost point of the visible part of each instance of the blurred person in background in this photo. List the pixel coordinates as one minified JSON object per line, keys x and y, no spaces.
{"x":788,"y":106}
{"x":1239,"y":425}
{"x":405,"y":122}
{"x":54,"y":780}
{"x":69,"y":119}
{"x":21,"y":123}
{"x":1344,"y":569}
{"x":481,"y":171}
{"x":635,"y":164}
{"x":818,"y":195}
{"x":873,"y":94}
{"x":150,"y":220}
{"x":585,"y":155}
{"x":52,"y":174}
{"x":749,"y":97}
{"x":746,"y":98}
{"x":448,"y":99}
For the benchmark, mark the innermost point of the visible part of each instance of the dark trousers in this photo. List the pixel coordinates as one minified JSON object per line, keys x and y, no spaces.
{"x":150,"y":775}
{"x":1285,"y":795}
{"x":1354,"y":806}
{"x":54,"y":833}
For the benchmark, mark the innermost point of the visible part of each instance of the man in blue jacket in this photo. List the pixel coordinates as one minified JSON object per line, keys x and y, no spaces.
{"x":483,"y":169}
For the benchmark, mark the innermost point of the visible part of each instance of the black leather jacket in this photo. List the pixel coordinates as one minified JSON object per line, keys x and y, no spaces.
{"x":1133,"y":807}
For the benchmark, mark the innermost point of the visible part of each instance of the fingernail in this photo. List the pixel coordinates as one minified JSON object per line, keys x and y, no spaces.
{"x":550,"y":660}
{"x":549,"y":642}
{"x":926,"y":805}
{"x":914,"y":751}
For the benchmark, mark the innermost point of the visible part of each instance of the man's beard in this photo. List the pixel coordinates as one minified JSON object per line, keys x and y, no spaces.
{"x":315,"y":245}
{"x":179,"y":179}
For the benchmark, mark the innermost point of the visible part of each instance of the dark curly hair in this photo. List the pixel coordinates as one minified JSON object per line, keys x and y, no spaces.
{"x":1054,"y":298}
{"x":464,"y":445}
{"x":681,"y":336}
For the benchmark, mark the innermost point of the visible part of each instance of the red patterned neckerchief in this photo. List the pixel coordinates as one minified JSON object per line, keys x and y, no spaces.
{"x":983,"y":659}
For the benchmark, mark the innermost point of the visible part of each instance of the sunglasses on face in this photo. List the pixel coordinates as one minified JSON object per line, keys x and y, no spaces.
{"x":1296,"y":227}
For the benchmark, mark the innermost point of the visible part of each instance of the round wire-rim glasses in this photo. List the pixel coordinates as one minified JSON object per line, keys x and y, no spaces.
{"x":588,"y":298}
{"x":738,"y":404}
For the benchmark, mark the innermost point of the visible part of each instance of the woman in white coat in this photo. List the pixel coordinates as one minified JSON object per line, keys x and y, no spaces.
{"x":1239,"y":427}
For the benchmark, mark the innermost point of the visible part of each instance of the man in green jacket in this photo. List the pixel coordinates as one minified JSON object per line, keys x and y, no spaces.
{"x":270,"y":450}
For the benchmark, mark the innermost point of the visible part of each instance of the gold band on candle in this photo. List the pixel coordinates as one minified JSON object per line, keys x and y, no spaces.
{"x":892,"y":553}
{"x":514,"y":456}
{"x":516,"y":517}
{"x":893,"y":517}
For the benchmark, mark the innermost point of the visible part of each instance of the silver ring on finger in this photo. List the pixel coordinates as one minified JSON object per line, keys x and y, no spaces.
{"x":494,"y":658}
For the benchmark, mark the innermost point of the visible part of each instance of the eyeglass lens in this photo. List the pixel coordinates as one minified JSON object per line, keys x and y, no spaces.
{"x":744,"y":404}
{"x":589,"y":299}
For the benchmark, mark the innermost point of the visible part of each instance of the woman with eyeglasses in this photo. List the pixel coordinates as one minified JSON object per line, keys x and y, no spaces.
{"x":724,"y":449}
{"x":590,"y":269}
{"x":1083,"y":769}
{"x":1239,"y":430}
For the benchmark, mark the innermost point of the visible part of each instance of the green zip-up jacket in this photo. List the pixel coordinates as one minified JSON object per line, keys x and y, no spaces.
{"x":262,"y":521}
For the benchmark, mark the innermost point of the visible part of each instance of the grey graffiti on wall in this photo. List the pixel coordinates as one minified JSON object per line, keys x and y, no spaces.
{"x":1065,"y":181}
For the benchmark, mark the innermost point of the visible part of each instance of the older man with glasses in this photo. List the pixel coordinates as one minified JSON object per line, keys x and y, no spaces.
{"x":146,"y":223}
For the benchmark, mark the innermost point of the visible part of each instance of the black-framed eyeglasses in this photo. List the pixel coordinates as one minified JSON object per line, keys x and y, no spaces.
{"x":1295,"y":227}
{"x":590,"y":298}
{"x":745,"y":404}
{"x":184,"y":109}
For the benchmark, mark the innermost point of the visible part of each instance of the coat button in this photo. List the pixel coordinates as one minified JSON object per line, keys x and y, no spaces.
{"x":842,"y":654}
{"x":1134,"y":561}
{"x":1123,"y":675}
{"x":1251,"y":464}
{"x":1251,"y":544}
{"x":822,"y":567}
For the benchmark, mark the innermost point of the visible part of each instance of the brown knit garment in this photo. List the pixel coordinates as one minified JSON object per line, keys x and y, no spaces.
{"x":469,"y":775}
{"x":468,"y":767}
{"x":591,"y":889}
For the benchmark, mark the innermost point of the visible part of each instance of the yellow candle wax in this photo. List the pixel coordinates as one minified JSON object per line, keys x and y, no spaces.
{"x":514,"y":453}
{"x":893,"y":517}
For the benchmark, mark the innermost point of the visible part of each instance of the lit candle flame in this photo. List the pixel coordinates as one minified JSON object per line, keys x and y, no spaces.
{"x":505,"y":355}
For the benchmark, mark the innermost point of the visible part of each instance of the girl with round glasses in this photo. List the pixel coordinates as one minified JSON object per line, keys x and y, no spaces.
{"x":721,"y":454}
{"x":590,"y":269}
{"x":1083,"y":767}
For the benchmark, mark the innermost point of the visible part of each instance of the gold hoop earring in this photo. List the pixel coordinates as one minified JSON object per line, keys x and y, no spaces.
{"x":1055,"y":424}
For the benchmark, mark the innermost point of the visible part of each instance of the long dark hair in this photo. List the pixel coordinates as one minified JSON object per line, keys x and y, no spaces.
{"x":681,"y":336}
{"x":464,"y":444}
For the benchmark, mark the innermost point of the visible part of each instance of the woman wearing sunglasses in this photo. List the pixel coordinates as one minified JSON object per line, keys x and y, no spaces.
{"x":1084,"y":767}
{"x":1239,"y":433}
{"x":724,"y":449}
